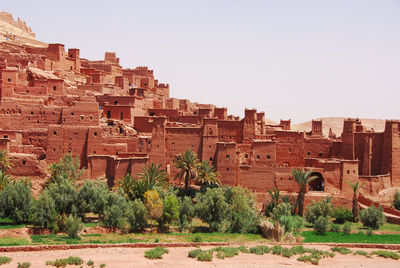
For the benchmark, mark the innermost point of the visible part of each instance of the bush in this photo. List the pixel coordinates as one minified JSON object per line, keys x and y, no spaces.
{"x":73,"y":225}
{"x":5,"y":260}
{"x":64,"y":195}
{"x":92,"y":197}
{"x":277,"y":250}
{"x":342,"y":214}
{"x":319,"y":209}
{"x":372,"y":217}
{"x":244,"y":217}
{"x":347,"y":228}
{"x":321,"y":225}
{"x":170,"y":210}
{"x":115,"y":211}
{"x":155,"y":253}
{"x":90,"y":263}
{"x":197,"y":238}
{"x":335,"y":228}
{"x":243,"y":249}
{"x":362,"y":252}
{"x":386,"y":254}
{"x":71,"y":260}
{"x":259,"y":250}
{"x":16,"y":201}
{"x":292,"y":224}
{"x":396,"y":201}
{"x":281,"y":210}
{"x":186,"y":213}
{"x":205,"y":255}
{"x":24,"y":265}
{"x":154,"y":204}
{"x":136,"y":215}
{"x":44,"y":212}
{"x":213,"y":209}
{"x":341,"y":250}
{"x":193,"y":253}
{"x":226,"y":252}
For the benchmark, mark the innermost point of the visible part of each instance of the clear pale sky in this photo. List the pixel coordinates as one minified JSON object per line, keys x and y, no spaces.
{"x":291,"y":59}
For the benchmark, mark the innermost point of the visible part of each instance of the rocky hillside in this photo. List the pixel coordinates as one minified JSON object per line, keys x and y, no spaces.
{"x":336,"y":123}
{"x":17,"y":31}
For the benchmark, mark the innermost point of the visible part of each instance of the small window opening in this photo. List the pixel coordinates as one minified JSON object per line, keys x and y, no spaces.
{"x":268,"y":157}
{"x":31,"y":112}
{"x":246,"y":156}
{"x":82,"y":117}
{"x":308,"y":153}
{"x":54,"y":88}
{"x":23,"y":162}
{"x":55,"y":132}
{"x":227,"y":157}
{"x":95,"y":133}
{"x":258,"y":157}
{"x":108,"y":114}
{"x":9,"y":79}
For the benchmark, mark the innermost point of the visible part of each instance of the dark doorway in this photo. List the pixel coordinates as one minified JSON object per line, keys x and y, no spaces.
{"x":317,"y":184}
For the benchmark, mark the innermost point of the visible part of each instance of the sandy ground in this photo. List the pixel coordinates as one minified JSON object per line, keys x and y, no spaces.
{"x":177,"y":257}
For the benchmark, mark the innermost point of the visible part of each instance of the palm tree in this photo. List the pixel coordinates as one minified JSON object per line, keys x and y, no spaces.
{"x":4,"y":161}
{"x":275,"y":196}
{"x":187,"y":165}
{"x":127,"y":185}
{"x":4,"y":179}
{"x":302,"y":178}
{"x":207,"y":174}
{"x":356,"y":187}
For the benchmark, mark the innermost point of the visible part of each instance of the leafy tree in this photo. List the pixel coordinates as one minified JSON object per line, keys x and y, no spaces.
{"x":275,"y":198}
{"x":213,"y":209}
{"x":128,"y":186}
{"x":244,"y":217}
{"x":187,"y":165}
{"x":372,"y":217}
{"x":281,"y":210}
{"x":16,"y":201}
{"x":302,"y":178}
{"x":66,"y":168}
{"x":137,"y":215}
{"x":44,"y":212}
{"x":115,"y":211}
{"x":342,"y":214}
{"x":356,"y":189}
{"x":73,"y":225}
{"x":207,"y":174}
{"x":396,"y":201}
{"x":317,"y":209}
{"x":321,"y":225}
{"x":5,"y":163}
{"x":92,"y":197}
{"x":4,"y":179}
{"x":154,"y":204}
{"x":170,"y":210}
{"x":292,"y":224}
{"x":186,"y":213}
{"x":65,"y":196}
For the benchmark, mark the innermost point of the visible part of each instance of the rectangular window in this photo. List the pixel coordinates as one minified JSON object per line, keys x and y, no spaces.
{"x":108,"y":114}
{"x":268,"y":157}
{"x":227,"y":157}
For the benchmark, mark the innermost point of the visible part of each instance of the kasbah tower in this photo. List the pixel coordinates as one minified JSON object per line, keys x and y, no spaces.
{"x":116,"y":120}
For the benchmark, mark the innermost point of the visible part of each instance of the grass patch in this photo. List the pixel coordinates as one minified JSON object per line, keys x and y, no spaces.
{"x":205,"y":255}
{"x":243,"y":249}
{"x":331,"y":237}
{"x":155,"y":253}
{"x":342,"y":250}
{"x":6,"y":223}
{"x":226,"y":252}
{"x":259,"y":250}
{"x":24,"y":265}
{"x":71,"y":260}
{"x":386,"y":254}
{"x":193,"y":253}
{"x":5,"y":260}
{"x":13,"y":241}
{"x":362,"y":252}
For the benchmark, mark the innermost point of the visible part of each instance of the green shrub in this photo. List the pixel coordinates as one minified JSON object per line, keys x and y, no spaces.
{"x":226,"y":252}
{"x":197,"y":238}
{"x":321,"y":225}
{"x":292,"y":224}
{"x":90,"y":263}
{"x":347,"y":228}
{"x":170,"y":210}
{"x":369,"y":232}
{"x":136,"y":215}
{"x":155,"y":253}
{"x":5,"y":260}
{"x":372,"y":217}
{"x":297,"y":250}
{"x":115,"y":211}
{"x":243,"y":215}
{"x":24,"y":265}
{"x":319,"y":209}
{"x":205,"y":255}
{"x":342,"y":214}
{"x":386,"y":254}
{"x":286,"y":252}
{"x":396,"y":201}
{"x":73,"y":225}
{"x":154,"y":204}
{"x":65,"y":196}
{"x":213,"y":209}
{"x":71,"y":260}
{"x":44,"y":212}
{"x":277,"y":250}
{"x":186,"y":213}
{"x":313,"y":259}
{"x":361,"y":252}
{"x":281,"y":210}
{"x":259,"y":250}
{"x":335,"y":228}
{"x":92,"y":197}
{"x":16,"y":201}
{"x":243,"y":249}
{"x":341,"y":250}
{"x":193,"y":253}
{"x":102,"y":265}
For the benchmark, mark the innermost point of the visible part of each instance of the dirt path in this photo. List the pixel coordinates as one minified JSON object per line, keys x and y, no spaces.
{"x":177,"y":257}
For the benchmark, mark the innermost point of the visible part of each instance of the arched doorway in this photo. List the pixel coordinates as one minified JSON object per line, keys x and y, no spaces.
{"x":317,"y":184}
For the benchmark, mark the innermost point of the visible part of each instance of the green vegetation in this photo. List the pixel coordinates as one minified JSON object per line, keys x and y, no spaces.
{"x":321,"y":225}
{"x":259,"y":250}
{"x":396,"y":200}
{"x":361,"y":252}
{"x":24,"y":265}
{"x":205,"y":255}
{"x":90,"y":263}
{"x":155,"y":253}
{"x":71,"y":260}
{"x":356,"y":186}
{"x":372,"y":217}
{"x":347,"y":229}
{"x":302,"y":178}
{"x":342,"y":215}
{"x":331,"y":237}
{"x":386,"y":254}
{"x":342,"y":250}
{"x":319,"y":209}
{"x":5,"y":260}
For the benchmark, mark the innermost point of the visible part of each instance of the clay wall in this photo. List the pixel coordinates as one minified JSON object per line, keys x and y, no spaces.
{"x":290,"y":148}
{"x":226,"y":163}
{"x":230,"y":131}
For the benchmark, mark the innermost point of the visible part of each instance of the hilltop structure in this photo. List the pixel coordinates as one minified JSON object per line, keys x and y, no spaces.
{"x":116,"y":120}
